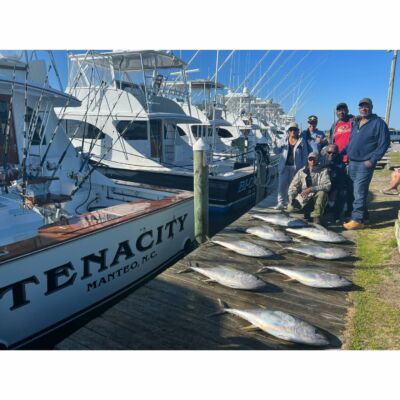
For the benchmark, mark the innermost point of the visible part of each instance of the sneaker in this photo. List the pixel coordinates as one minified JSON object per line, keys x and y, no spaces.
{"x":392,"y":192}
{"x":279,"y":207}
{"x":353,"y":225}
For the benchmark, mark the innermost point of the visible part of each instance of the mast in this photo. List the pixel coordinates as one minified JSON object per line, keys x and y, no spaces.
{"x":391,"y":83}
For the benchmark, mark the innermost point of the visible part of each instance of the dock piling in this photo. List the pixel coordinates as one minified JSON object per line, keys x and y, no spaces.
{"x":200,"y":186}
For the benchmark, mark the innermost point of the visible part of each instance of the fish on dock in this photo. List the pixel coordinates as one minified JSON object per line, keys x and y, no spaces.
{"x":279,"y":324}
{"x":268,"y":233}
{"x":229,"y":277}
{"x":325,"y":253}
{"x":310,"y":276}
{"x":318,"y":233}
{"x":244,"y":248}
{"x":281,"y":220}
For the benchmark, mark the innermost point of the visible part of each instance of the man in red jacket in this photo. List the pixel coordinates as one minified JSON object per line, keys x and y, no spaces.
{"x":340,"y":135}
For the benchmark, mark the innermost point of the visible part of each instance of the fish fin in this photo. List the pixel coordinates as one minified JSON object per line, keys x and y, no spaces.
{"x":262,"y":269}
{"x":188,"y":268}
{"x":222,"y":308}
{"x":289,"y":280}
{"x":297,"y":240}
{"x":209,"y":280}
{"x":250,"y":328}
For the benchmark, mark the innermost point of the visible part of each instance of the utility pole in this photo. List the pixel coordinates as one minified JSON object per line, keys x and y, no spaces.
{"x":391,"y":83}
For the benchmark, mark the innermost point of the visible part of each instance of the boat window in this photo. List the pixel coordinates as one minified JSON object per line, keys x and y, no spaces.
{"x":201,"y":130}
{"x":181,"y":131}
{"x":224,"y":133}
{"x":132,"y":130}
{"x":82,"y":129}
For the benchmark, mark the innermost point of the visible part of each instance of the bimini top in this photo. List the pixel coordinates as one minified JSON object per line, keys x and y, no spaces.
{"x":132,"y":60}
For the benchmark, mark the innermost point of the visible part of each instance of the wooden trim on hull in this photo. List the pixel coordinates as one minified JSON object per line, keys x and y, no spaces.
{"x":87,"y":224}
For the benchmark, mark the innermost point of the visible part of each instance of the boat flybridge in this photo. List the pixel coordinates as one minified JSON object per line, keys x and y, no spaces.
{"x":71,"y":239}
{"x":205,"y":103}
{"x":129,"y":126}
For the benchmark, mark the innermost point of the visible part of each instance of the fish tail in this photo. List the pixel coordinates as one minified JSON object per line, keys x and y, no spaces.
{"x":188,"y":268}
{"x":222,"y":308}
{"x":263,"y":269}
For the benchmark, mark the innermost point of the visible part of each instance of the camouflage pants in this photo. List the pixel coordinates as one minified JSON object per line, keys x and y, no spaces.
{"x":315,"y":206}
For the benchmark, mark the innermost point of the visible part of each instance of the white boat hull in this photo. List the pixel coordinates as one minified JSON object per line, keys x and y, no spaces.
{"x":47,"y":288}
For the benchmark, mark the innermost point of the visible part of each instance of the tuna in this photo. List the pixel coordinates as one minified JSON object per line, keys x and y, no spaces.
{"x":230,"y":277}
{"x":268,"y":233}
{"x":245,"y":248}
{"x":325,"y":253}
{"x":318,"y":233}
{"x":310,"y":276}
{"x":281,"y":220}
{"x":279,"y":324}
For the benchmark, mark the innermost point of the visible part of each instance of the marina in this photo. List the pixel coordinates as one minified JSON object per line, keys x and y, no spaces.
{"x":173,"y":311}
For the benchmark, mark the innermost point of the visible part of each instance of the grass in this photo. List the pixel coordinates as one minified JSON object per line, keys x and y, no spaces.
{"x":374,"y":319}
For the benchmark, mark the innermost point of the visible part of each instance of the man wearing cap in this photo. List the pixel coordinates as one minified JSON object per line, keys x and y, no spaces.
{"x":340,"y":135}
{"x":315,"y":138}
{"x":293,"y":156}
{"x":308,"y":191}
{"x":369,"y":141}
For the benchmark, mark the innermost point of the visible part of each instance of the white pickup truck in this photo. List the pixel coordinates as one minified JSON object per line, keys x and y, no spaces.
{"x":394,"y":135}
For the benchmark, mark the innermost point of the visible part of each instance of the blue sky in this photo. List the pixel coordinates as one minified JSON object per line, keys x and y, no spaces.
{"x":326,"y":77}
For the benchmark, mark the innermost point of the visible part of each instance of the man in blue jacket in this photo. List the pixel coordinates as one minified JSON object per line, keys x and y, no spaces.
{"x":369,"y":141}
{"x":314,"y":136}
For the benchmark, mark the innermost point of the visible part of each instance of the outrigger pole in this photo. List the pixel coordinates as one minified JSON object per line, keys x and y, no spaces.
{"x":7,"y":135}
{"x":60,"y":116}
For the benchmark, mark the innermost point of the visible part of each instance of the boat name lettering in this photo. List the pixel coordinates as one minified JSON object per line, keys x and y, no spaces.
{"x":246,"y":184}
{"x":62,"y":276}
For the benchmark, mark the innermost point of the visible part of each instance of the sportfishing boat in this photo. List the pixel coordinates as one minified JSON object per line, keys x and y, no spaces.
{"x":124,"y":104}
{"x":71,"y":239}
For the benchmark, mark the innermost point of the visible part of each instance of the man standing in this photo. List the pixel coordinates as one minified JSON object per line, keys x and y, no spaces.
{"x":293,"y":156}
{"x":369,"y":141}
{"x":314,"y":136}
{"x":340,"y":135}
{"x":309,"y":189}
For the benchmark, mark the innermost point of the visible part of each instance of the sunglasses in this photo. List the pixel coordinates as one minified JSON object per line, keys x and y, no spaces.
{"x":331,"y":152}
{"x":312,"y":159}
{"x":293,"y":130}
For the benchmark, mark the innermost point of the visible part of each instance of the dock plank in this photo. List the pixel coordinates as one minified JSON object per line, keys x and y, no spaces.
{"x":173,"y":310}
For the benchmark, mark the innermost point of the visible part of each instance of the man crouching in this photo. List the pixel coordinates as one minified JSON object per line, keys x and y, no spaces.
{"x":308,"y":191}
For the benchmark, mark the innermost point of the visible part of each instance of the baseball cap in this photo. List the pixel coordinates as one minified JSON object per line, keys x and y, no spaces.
{"x":312,"y":118}
{"x":342,"y":105}
{"x":365,"y":100}
{"x":293,"y":125}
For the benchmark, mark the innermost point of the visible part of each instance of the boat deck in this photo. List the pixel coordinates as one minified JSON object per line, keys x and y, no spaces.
{"x":173,"y":310}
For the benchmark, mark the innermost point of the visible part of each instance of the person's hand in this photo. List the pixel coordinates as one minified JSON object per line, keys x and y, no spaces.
{"x":318,"y":139}
{"x":305,"y":193}
{"x":273,"y":139}
{"x":368,"y":164}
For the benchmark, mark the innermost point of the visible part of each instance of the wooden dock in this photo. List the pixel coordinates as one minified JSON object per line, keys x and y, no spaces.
{"x":173,"y":311}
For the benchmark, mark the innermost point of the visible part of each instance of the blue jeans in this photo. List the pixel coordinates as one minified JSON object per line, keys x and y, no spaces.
{"x":361,"y":176}
{"x":284,"y":179}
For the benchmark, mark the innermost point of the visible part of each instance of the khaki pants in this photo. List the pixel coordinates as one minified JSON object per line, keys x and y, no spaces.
{"x":315,"y":207}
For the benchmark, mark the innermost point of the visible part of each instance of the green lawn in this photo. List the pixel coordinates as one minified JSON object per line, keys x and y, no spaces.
{"x":374,"y":319}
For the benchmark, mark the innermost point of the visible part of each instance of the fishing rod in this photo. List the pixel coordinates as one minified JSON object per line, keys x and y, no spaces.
{"x":260,"y":89}
{"x":286,"y":76}
{"x":7,"y":134}
{"x":53,"y":62}
{"x":60,"y":160}
{"x":35,"y":113}
{"x":266,"y":72}
{"x":248,"y":76}
{"x":75,"y":83}
{"x":24,"y":144}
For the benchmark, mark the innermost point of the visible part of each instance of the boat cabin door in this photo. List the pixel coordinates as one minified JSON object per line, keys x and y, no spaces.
{"x":169,"y":143}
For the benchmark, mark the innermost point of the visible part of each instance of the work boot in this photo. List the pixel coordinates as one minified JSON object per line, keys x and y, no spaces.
{"x":307,"y":217}
{"x":353,"y":225}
